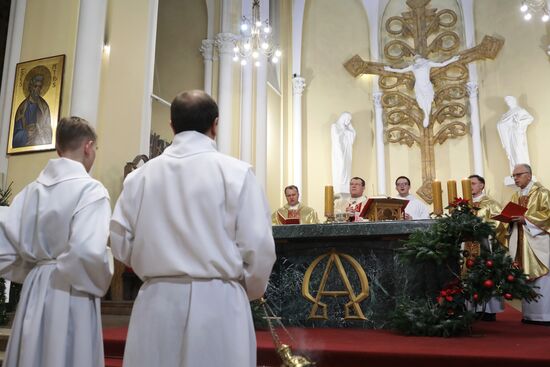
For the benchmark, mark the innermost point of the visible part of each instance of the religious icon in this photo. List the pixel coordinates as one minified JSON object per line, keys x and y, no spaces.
{"x":36,"y":104}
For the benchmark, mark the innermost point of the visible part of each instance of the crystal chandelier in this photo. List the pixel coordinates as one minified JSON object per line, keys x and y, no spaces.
{"x":255,"y":40}
{"x":531,"y":7}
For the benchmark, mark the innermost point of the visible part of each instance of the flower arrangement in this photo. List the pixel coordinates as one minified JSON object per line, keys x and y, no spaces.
{"x":491,"y":274}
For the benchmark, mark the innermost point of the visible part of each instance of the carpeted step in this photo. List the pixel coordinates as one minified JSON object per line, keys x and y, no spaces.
{"x":113,"y":362}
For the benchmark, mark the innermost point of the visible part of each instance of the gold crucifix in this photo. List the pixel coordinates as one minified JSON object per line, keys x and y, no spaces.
{"x":423,"y":93}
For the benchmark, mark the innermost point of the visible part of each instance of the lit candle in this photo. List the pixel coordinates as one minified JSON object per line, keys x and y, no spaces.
{"x":451,"y":191}
{"x":437,"y":197}
{"x":467,"y":190}
{"x":329,"y":201}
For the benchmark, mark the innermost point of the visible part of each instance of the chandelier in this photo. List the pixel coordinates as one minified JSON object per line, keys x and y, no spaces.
{"x":530,"y":7}
{"x":255,"y":40}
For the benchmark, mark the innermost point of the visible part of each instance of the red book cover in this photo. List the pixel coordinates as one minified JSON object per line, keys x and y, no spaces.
{"x":284,"y":220}
{"x":509,"y":211}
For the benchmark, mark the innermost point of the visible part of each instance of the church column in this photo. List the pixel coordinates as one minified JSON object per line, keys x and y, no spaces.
{"x":298,"y":86}
{"x":246,"y":113}
{"x":87,"y":60}
{"x":476,"y":129}
{"x":225,"y":43}
{"x":11,"y":58}
{"x":379,"y":134}
{"x":261,"y":122}
{"x":207,"y":50}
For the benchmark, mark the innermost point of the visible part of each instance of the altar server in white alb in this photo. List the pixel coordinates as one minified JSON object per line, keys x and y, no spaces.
{"x":415,"y":209}
{"x":54,"y":240}
{"x":194,"y":225}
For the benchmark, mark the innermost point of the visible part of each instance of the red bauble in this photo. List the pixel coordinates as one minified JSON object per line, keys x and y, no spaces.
{"x":489,"y":263}
{"x":476,"y":297}
{"x":443,"y":293}
{"x":508,"y":296}
{"x":449,"y":298}
{"x":469,"y":263}
{"x":488,"y":283}
{"x":510,"y":278}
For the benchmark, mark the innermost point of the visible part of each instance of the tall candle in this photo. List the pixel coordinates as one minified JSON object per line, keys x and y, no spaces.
{"x":437,"y":197}
{"x":451,"y":191}
{"x":329,"y":201}
{"x":467,"y":190}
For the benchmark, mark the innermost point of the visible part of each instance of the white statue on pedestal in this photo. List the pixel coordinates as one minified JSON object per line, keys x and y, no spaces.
{"x":512,"y":129}
{"x":343,"y":135}
{"x":423,"y":87}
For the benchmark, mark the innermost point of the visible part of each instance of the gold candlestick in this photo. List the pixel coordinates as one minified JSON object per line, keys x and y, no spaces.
{"x":329,"y":203}
{"x":437,"y":198}
{"x":467,"y":190}
{"x":451,"y":191}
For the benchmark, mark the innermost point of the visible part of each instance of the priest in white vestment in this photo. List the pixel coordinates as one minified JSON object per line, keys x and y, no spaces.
{"x":415,"y":209}
{"x":194,"y":225}
{"x":54,"y":240}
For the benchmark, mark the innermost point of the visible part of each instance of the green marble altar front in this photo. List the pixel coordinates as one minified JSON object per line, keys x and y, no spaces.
{"x":373,"y":245}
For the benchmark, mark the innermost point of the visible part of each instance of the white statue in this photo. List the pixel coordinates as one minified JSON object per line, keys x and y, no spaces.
{"x":423,"y":87}
{"x":342,"y":134}
{"x":512,"y":129}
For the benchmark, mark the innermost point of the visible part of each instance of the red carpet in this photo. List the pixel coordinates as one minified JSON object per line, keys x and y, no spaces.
{"x":504,"y":343}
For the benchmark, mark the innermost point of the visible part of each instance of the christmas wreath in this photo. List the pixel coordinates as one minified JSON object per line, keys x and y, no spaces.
{"x":492,"y":273}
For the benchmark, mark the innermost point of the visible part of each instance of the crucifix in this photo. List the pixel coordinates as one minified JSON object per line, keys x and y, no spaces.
{"x":424,"y":100}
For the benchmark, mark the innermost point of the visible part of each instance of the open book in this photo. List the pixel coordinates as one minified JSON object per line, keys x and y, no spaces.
{"x":510,"y":210}
{"x":284,"y":220}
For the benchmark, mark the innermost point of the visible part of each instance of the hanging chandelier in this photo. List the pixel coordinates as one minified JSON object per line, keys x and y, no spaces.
{"x":255,"y":40}
{"x":531,"y":7}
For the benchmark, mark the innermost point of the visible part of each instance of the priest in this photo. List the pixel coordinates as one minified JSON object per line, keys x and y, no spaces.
{"x":357,"y":199}
{"x":294,"y":212}
{"x":486,"y":208}
{"x":529,"y":243}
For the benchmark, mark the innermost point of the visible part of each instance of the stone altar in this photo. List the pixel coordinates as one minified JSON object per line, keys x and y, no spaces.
{"x":343,"y":302}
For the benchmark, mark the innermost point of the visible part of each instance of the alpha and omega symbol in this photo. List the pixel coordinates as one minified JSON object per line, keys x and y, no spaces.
{"x":335,"y":258}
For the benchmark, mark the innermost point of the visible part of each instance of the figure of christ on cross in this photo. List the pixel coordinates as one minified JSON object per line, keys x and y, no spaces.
{"x":423,"y":87}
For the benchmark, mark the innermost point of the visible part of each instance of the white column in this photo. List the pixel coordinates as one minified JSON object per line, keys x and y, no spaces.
{"x":225,"y":44}
{"x":207,"y":50}
{"x":298,"y":86}
{"x":87,"y":63}
{"x":261,"y":122}
{"x":476,"y":128}
{"x":379,"y":132}
{"x":11,"y":58}
{"x":246,"y":113}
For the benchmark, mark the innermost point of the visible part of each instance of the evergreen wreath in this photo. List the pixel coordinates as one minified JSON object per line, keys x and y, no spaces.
{"x":491,"y":274}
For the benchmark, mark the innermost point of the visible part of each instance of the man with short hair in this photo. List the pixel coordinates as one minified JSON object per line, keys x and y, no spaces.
{"x":294,"y":210}
{"x":529,"y":243}
{"x":357,"y":200}
{"x":194,"y":226}
{"x":415,"y":209}
{"x":487,"y":208}
{"x":54,"y":240}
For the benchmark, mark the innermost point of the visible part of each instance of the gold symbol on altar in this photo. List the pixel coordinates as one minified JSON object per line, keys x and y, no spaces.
{"x":427,"y":35}
{"x":335,"y":258}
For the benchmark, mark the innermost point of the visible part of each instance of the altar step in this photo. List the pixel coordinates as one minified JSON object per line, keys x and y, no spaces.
{"x":504,"y":343}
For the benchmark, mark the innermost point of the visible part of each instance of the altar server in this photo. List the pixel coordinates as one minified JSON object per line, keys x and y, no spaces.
{"x":54,"y":241}
{"x":194,"y":225}
{"x":415,"y":209}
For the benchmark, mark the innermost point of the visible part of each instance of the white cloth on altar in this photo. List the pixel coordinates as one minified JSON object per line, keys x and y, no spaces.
{"x":415,"y":208}
{"x":54,"y":239}
{"x":195,"y":226}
